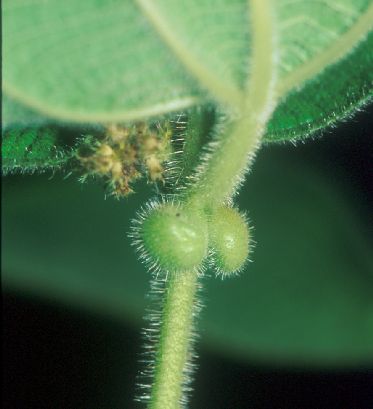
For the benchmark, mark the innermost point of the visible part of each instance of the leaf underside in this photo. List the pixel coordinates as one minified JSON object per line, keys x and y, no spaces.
{"x":95,"y":61}
{"x":333,"y":96}
{"x":29,"y":150}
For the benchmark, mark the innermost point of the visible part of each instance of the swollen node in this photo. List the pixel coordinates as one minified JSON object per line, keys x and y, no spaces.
{"x":174,"y":238}
{"x":229,"y":240}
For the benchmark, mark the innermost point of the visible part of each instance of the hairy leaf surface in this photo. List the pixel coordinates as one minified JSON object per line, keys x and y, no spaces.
{"x":33,"y":149}
{"x":117,"y":60}
{"x":326,"y":100}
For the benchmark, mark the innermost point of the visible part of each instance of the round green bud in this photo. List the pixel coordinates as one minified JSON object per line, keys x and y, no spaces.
{"x":175,"y":237}
{"x":229,"y":239}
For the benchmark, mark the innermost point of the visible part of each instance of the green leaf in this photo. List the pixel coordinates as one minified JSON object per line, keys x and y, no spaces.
{"x":309,"y":302}
{"x":331,"y":97}
{"x":99,"y":61}
{"x":29,"y":142}
{"x":89,"y":61}
{"x":307,"y":297}
{"x":28,"y":150}
{"x":16,"y":115}
{"x":60,"y":235}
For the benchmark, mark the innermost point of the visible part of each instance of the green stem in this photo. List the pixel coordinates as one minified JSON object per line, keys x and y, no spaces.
{"x":199,"y":125}
{"x":225,"y":167}
{"x":216,"y":183}
{"x":175,"y":341}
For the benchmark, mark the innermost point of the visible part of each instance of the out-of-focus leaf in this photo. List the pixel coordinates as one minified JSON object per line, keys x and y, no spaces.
{"x":307,"y":298}
{"x":62,"y":229}
{"x":94,"y":61}
{"x":17,"y":115}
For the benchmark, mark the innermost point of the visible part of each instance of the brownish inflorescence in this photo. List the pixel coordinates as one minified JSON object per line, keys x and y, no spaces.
{"x":126,"y":153}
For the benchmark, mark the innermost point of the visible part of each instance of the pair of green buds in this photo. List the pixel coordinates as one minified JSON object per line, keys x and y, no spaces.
{"x":173,"y":237}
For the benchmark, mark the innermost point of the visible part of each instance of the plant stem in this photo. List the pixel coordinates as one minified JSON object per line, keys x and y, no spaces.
{"x":199,"y":125}
{"x":226,"y":166}
{"x":216,"y":183}
{"x":175,"y":341}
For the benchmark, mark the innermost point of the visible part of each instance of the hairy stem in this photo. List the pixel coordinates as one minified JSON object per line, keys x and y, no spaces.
{"x":175,"y":341}
{"x":216,"y":183}
{"x":224,"y":169}
{"x":236,"y":148}
{"x":199,"y":125}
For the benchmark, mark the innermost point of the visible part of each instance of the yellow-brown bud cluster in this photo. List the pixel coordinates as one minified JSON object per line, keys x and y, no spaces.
{"x":126,"y":153}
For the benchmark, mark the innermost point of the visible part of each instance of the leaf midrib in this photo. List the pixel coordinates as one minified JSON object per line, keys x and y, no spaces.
{"x":77,"y":116}
{"x":339,"y":49}
{"x":207,"y":79}
{"x":295,"y":79}
{"x":225,"y":94}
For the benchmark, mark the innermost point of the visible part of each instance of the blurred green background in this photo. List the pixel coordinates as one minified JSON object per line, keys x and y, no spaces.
{"x":295,"y":330}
